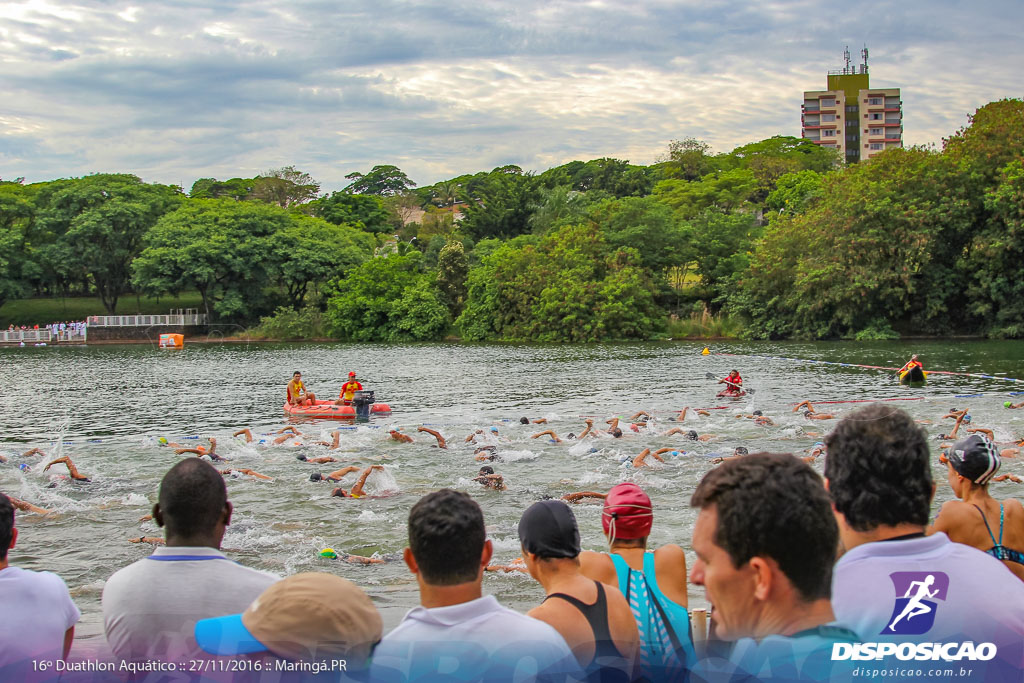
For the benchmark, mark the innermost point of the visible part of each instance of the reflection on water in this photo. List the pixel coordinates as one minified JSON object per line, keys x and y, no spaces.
{"x":107,"y":406}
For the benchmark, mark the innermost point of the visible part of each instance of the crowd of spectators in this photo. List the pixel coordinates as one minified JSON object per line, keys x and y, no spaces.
{"x":66,"y":330}
{"x":767,"y":536}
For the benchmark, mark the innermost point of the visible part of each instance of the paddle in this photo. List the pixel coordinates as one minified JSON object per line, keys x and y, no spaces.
{"x":709,"y":375}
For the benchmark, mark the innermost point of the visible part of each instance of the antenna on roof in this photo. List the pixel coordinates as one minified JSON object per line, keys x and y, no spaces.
{"x":846,"y":56}
{"x":864,"y":56}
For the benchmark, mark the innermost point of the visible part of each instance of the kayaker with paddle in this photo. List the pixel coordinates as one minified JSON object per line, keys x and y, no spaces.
{"x":911,"y":364}
{"x":734,"y":384}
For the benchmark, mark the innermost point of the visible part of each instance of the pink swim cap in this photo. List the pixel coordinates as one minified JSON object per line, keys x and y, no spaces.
{"x":627,"y":512}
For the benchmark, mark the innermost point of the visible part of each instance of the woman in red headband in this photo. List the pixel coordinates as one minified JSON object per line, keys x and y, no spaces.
{"x":654,"y":582}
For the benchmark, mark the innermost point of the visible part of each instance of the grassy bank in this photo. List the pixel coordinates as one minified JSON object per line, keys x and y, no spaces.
{"x":41,"y":311}
{"x":704,"y":326}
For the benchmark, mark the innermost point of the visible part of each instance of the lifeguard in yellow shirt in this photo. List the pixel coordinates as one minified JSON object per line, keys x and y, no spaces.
{"x":297,"y":394}
{"x":348,"y":390}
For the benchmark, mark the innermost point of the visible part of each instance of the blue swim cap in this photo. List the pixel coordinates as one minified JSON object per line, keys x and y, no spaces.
{"x":592,"y":450}
{"x":674,"y":454}
{"x":552,"y":441}
{"x":494,"y":429}
{"x":967,"y":419}
{"x":24,"y":467}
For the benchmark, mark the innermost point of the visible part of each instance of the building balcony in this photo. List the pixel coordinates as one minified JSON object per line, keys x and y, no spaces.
{"x":825,"y":126}
{"x":828,"y":141}
{"x":878,"y":108}
{"x":892,"y":124}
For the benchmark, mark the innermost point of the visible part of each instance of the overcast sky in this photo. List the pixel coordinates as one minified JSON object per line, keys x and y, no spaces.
{"x":177,"y":91}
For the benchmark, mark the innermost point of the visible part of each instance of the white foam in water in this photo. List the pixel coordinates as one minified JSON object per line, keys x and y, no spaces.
{"x":506,"y":545}
{"x":369,"y":516}
{"x":135,"y":499}
{"x":381,"y":481}
{"x":516,"y":456}
{"x":591,"y":477}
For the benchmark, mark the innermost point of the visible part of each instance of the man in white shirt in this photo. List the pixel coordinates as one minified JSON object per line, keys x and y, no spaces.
{"x":150,"y":607}
{"x":458,"y":634}
{"x":37,"y":615}
{"x":893,"y":582}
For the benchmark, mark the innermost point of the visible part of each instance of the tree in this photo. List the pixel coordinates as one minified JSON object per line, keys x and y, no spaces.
{"x":100,"y":221}
{"x":647,"y":226}
{"x":310,"y":251}
{"x":363,"y":211}
{"x":555,"y":207}
{"x":210,"y":188}
{"x":403,"y":210}
{"x":688,"y":159}
{"x":222,"y":249}
{"x":387,"y":299}
{"x":724,"y":191}
{"x":285,"y":187}
{"x":793,"y":194}
{"x":452,"y":270}
{"x":16,"y":213}
{"x":384,"y":180}
{"x":504,"y":207}
{"x":446,"y":193}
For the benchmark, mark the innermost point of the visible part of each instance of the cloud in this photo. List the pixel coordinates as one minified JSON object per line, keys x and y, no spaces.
{"x":178,"y":91}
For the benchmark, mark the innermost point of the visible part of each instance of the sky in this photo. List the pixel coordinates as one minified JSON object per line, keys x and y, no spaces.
{"x":173,"y":92}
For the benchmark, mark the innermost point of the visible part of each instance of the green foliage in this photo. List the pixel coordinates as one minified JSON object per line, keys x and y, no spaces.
{"x":570,"y":286}
{"x":211,"y":188}
{"x":16,"y":213}
{"x":503,"y":207}
{"x":645,"y":225}
{"x":290,"y":324}
{"x":720,"y":245}
{"x":98,"y":224}
{"x":724,"y":191}
{"x":688,"y":159}
{"x":793,"y":193}
{"x":285,"y":187}
{"x":384,"y":180}
{"x":363,"y":211}
{"x":452,"y":270}
{"x":387,"y":299}
{"x":220,"y":248}
{"x":704,"y":325}
{"x":43,"y":310}
{"x":556,"y":206}
{"x":310,"y":251}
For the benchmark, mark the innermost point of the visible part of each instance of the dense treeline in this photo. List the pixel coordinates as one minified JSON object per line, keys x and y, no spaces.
{"x":774,"y":233}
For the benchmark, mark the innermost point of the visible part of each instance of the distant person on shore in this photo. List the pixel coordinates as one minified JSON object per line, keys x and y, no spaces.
{"x":39,"y":615}
{"x":348,"y":390}
{"x":150,"y":607}
{"x":72,"y":470}
{"x":593,"y":617}
{"x":297,"y":394}
{"x":971,"y":465}
{"x":448,"y":550}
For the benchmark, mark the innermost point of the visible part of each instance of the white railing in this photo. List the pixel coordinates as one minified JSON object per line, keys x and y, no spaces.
{"x":146,"y":320}
{"x":36,"y":336}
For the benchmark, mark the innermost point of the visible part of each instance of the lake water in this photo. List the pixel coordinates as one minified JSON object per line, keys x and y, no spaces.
{"x":107,"y":406}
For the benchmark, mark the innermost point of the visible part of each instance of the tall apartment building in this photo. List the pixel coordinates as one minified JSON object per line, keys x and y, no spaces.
{"x":858,"y":120}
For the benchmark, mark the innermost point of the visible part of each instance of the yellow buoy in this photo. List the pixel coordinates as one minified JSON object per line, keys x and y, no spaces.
{"x":706,"y":352}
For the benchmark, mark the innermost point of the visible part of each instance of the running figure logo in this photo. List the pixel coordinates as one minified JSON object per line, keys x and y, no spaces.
{"x":916,"y":592}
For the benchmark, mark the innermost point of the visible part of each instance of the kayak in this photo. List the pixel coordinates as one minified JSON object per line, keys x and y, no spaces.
{"x":327,"y":410}
{"x":915,"y":377}
{"x":730,"y":394}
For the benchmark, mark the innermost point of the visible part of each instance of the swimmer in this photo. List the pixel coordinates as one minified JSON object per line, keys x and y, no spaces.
{"x":332,"y":444}
{"x":738,"y":452}
{"x":248,"y":472}
{"x":489,"y":480}
{"x":1008,"y":477}
{"x":692,"y":434}
{"x":200,"y":451}
{"x":487,"y":453}
{"x":583,"y":495}
{"x":317,"y":461}
{"x":441,"y":443}
{"x":286,"y":433}
{"x":246,"y":433}
{"x":640,"y":460}
{"x":1004,"y":453}
{"x":72,"y":470}
{"x":516,"y":565}
{"x":960,"y":416}
{"x":152,"y":540}
{"x":539,"y":421}
{"x":810,"y":413}
{"x":27,"y":507}
{"x":357,"y":490}
{"x":614,"y":430}
{"x":34,"y":451}
{"x":1013,"y":406}
{"x":547,"y":432}
{"x":816,"y":450}
{"x":334,"y":476}
{"x":360,"y":559}
{"x":682,"y":413}
{"x":399,"y":436}
{"x":758,"y":417}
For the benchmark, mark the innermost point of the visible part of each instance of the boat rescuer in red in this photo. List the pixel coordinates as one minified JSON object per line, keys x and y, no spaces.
{"x":297,"y":394}
{"x":911,"y":364}
{"x":348,"y":390}
{"x":734,"y":384}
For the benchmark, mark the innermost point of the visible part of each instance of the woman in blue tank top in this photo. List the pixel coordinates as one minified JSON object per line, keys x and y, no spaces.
{"x":654,"y":582}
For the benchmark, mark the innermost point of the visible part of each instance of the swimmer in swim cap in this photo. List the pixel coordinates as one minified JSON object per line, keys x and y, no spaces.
{"x":357,"y":490}
{"x":549,"y":433}
{"x":441,"y":443}
{"x":72,"y":470}
{"x":1013,"y":406}
{"x":489,"y":480}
